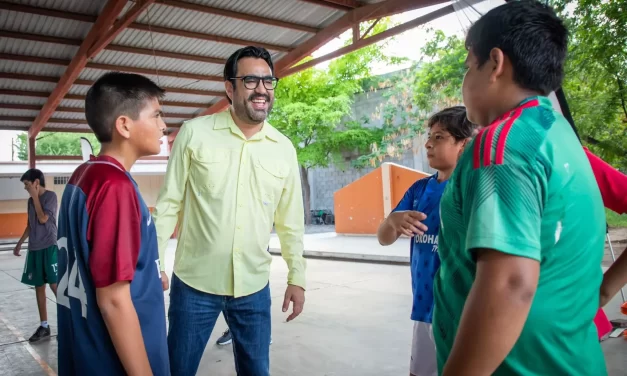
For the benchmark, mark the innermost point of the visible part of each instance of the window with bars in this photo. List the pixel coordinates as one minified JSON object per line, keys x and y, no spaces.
{"x":61,"y":180}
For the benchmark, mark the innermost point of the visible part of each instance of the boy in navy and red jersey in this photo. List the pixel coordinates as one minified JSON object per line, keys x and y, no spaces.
{"x":417,"y":215}
{"x":111,"y":311}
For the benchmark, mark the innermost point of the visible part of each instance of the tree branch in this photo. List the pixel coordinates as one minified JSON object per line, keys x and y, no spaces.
{"x":621,"y":93}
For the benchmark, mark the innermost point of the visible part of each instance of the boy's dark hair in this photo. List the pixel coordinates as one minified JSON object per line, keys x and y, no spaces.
{"x":230,"y":68}
{"x":531,"y":35}
{"x":454,"y":121}
{"x":116,"y":94}
{"x":32,"y":175}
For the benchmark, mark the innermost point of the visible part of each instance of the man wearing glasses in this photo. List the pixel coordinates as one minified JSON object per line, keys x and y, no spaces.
{"x":229,"y":177}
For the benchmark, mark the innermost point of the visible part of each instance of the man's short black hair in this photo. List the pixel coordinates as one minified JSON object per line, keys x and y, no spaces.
{"x":230,"y":68}
{"x":117,"y":94}
{"x":454,"y":121}
{"x":32,"y":175}
{"x":532,"y":36}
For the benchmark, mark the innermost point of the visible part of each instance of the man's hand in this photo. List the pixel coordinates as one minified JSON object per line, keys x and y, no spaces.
{"x":33,"y":189}
{"x":16,"y":251}
{"x":296,"y":295}
{"x":165,"y":281}
{"x":408,"y":222}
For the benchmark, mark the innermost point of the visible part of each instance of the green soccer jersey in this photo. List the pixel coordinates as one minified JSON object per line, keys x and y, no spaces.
{"x":524,"y":187}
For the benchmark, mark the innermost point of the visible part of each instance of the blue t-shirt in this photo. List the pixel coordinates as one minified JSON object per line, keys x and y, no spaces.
{"x":106,"y":235}
{"x":424,"y":196}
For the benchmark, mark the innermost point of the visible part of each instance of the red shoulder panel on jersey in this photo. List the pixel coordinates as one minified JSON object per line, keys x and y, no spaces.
{"x":489,"y":131}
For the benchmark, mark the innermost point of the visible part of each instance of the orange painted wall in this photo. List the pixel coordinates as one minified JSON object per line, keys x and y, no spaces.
{"x":12,"y":225}
{"x":358,"y":207}
{"x":400,"y":180}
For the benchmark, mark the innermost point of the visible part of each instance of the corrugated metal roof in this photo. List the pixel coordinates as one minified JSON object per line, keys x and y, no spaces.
{"x":13,"y":112}
{"x":44,"y":25}
{"x":72,"y":103}
{"x":68,"y":125}
{"x":190,"y":98}
{"x":69,"y":115}
{"x":183,"y":19}
{"x":180,"y":110}
{"x":18,"y":99}
{"x":36,"y":69}
{"x":161,"y":63}
{"x":39,"y":49}
{"x":157,"y":15}
{"x":92,"y":7}
{"x":300,"y":12}
{"x":24,"y":85}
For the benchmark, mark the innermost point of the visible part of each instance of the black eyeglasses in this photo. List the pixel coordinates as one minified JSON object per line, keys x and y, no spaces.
{"x":251,"y":82}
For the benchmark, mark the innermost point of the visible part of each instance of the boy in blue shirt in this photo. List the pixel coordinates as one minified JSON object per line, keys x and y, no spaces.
{"x":417,"y":216}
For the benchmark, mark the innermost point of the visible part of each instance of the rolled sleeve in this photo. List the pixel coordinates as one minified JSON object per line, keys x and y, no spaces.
{"x":171,"y":196}
{"x":290,"y":226}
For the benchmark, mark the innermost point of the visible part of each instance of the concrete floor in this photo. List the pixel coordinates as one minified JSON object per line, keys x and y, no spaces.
{"x":355,"y":322}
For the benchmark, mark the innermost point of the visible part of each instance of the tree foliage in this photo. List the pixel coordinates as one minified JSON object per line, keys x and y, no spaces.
{"x":49,"y":143}
{"x":595,"y":83}
{"x":431,"y":83}
{"x":313,"y":108}
{"x":596,"y":74}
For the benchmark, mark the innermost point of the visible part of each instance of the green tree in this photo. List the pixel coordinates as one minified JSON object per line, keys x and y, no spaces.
{"x":431,"y":83}
{"x":49,"y":143}
{"x":595,"y":82}
{"x":313,"y":109}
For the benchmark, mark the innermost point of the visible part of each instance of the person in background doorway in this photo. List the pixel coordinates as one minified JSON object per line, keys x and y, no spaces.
{"x":229,"y":177}
{"x":40,"y":266}
{"x":417,"y":216}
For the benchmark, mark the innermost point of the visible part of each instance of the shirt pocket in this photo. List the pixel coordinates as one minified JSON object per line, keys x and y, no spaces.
{"x":271,"y":174}
{"x":209,"y":170}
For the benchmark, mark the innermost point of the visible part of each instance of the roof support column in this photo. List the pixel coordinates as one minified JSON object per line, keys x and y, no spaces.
{"x":31,"y":152}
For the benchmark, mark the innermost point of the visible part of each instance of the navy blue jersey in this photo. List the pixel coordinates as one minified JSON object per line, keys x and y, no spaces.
{"x":424,"y":196}
{"x":106,"y":235}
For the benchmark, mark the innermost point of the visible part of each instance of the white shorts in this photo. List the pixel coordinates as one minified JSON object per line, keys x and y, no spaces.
{"x":423,"y":360}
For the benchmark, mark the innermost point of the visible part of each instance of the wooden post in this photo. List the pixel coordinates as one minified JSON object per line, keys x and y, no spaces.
{"x":31,"y":152}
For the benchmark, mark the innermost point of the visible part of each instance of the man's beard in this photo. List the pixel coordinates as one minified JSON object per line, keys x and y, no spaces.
{"x":245,"y":110}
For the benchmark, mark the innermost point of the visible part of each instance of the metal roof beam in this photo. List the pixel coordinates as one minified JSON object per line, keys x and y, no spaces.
{"x":239,"y":15}
{"x":345,"y":5}
{"x":109,"y":13}
{"x":371,"y":40}
{"x":111,"y":67}
{"x":34,"y":107}
{"x":51,"y":120}
{"x":43,"y":94}
{"x":143,"y":27}
{"x":355,"y":16}
{"x":112,"y":47}
{"x":45,"y":129}
{"x":29,"y":77}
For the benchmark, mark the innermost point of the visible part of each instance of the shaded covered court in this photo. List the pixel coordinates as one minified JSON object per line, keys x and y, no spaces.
{"x":355,"y":322}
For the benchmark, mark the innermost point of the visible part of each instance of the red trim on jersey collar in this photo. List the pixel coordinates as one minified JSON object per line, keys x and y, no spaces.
{"x":106,"y":158}
{"x":509,"y":118}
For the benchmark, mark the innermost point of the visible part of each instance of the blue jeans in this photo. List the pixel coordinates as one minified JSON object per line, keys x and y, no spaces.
{"x":193,"y":315}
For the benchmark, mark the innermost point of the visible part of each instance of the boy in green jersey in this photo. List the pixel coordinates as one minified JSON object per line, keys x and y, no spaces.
{"x":522,"y":230}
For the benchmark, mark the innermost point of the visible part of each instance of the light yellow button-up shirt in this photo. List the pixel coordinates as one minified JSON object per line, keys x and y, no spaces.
{"x":226,"y":192}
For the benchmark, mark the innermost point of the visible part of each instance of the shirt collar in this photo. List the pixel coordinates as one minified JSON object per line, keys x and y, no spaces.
{"x":533,"y":101}
{"x":225,"y":121}
{"x":106,"y":158}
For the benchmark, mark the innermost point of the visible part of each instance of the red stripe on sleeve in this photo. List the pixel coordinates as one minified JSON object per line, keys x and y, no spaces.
{"x":487,"y":147}
{"x":500,"y":143}
{"x":476,"y":156}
